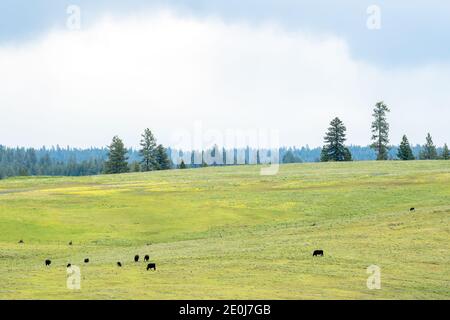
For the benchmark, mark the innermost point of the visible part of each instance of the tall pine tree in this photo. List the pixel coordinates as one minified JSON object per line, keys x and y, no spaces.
{"x":428,"y":150}
{"x":445,"y":153}
{"x":117,"y":159}
{"x":405,"y":151}
{"x":380,"y":131}
{"x":334,"y":148}
{"x":148,"y":151}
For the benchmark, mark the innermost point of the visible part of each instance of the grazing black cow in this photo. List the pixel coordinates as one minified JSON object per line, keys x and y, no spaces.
{"x":70,"y":243}
{"x":48,"y":262}
{"x":119,"y":264}
{"x":136,"y":258}
{"x":20,"y":241}
{"x":151,"y":266}
{"x":412,"y":209}
{"x":318,"y":253}
{"x":69,"y":265}
{"x":86,"y":260}
{"x":147,"y":257}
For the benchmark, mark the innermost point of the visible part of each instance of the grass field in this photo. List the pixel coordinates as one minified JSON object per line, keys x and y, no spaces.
{"x":229,"y":233}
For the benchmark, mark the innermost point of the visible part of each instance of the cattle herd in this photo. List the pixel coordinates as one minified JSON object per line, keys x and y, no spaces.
{"x":150,"y":266}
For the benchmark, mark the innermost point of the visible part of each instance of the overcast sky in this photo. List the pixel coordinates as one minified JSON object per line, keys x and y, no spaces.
{"x":173,"y":66}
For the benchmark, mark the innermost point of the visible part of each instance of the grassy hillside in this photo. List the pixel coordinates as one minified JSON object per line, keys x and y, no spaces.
{"x":225,"y":233}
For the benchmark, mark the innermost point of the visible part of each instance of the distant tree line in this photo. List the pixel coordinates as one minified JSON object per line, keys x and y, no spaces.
{"x":80,"y":162}
{"x":116,"y":158}
{"x":51,"y":162}
{"x":55,"y":161}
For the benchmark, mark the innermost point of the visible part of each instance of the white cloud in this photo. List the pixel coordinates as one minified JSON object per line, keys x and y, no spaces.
{"x":165,"y":72}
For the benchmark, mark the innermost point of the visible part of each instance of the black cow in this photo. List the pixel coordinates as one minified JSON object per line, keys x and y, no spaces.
{"x":151,"y":266}
{"x":48,"y":262}
{"x":70,"y":243}
{"x":20,"y":241}
{"x":136,"y":258}
{"x":412,"y":209}
{"x":86,"y":260}
{"x":69,"y":265}
{"x":318,"y":253}
{"x":147,"y":257}
{"x":119,"y":264}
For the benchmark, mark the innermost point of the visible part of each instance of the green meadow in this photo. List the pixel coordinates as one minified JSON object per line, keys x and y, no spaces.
{"x":230,"y":233}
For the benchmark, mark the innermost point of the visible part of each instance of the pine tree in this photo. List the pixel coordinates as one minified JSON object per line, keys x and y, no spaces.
{"x":405,"y":151}
{"x":380,"y":131}
{"x":428,"y":150}
{"x":445,"y":153}
{"x":117,"y":159}
{"x":182,"y":165}
{"x":334,"y":148}
{"x":148,"y":151}
{"x":162,"y":159}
